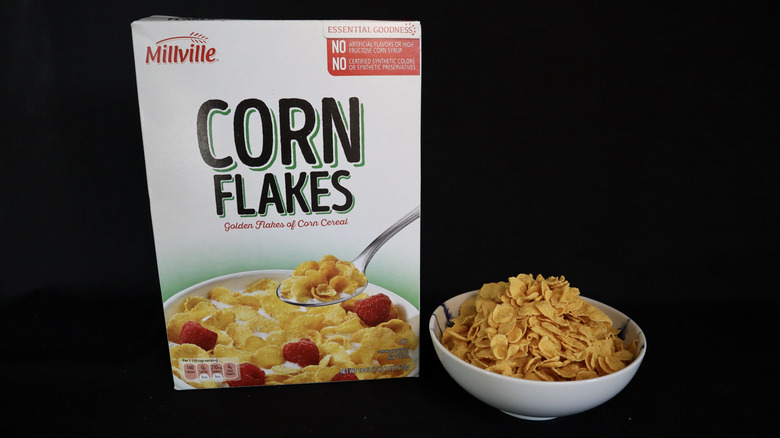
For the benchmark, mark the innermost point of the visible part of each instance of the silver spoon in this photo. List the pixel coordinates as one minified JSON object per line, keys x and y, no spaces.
{"x":361,"y":261}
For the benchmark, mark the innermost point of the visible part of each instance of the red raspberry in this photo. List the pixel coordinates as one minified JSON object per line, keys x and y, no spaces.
{"x":194,"y":333}
{"x":249,"y":375}
{"x":341,"y":377}
{"x":304,"y":352}
{"x":374,"y":310}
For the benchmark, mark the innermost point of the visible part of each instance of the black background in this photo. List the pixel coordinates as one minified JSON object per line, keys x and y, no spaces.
{"x":630,"y":146}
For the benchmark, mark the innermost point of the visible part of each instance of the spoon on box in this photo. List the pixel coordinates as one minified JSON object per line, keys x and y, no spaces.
{"x":361,"y":261}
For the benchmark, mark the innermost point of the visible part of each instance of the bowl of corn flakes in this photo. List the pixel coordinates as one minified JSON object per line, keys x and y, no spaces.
{"x":237,"y":324}
{"x":534,"y":348}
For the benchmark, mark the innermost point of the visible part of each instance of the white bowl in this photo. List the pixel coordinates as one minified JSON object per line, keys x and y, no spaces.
{"x":241,"y":280}
{"x":530,"y":399}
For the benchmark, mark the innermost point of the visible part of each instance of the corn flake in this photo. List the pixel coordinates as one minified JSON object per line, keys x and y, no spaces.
{"x":253,"y":326}
{"x":536,"y":328}
{"x":326,"y":280}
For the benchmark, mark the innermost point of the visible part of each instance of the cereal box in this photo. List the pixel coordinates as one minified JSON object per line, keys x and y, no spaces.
{"x":283,"y":169}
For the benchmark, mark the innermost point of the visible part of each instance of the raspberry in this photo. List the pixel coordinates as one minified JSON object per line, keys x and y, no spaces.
{"x":304,"y":352}
{"x":341,"y":377}
{"x":250,"y":375}
{"x":374,"y":310}
{"x":194,"y":333}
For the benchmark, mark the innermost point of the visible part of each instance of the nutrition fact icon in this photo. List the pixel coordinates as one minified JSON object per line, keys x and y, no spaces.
{"x":198,"y":369}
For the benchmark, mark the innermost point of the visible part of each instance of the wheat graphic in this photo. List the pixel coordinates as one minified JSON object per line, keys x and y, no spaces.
{"x":197,"y":38}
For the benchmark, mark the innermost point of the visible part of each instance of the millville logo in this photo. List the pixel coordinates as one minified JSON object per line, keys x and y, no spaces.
{"x":168,"y":50}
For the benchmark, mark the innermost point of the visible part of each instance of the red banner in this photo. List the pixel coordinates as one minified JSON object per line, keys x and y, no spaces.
{"x":373,"y":56}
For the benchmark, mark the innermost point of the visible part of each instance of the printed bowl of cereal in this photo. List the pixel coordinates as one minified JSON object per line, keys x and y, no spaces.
{"x":534,"y":348}
{"x":234,"y":330}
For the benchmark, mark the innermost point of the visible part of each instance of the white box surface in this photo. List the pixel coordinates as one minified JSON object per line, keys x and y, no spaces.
{"x":269,"y":144}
